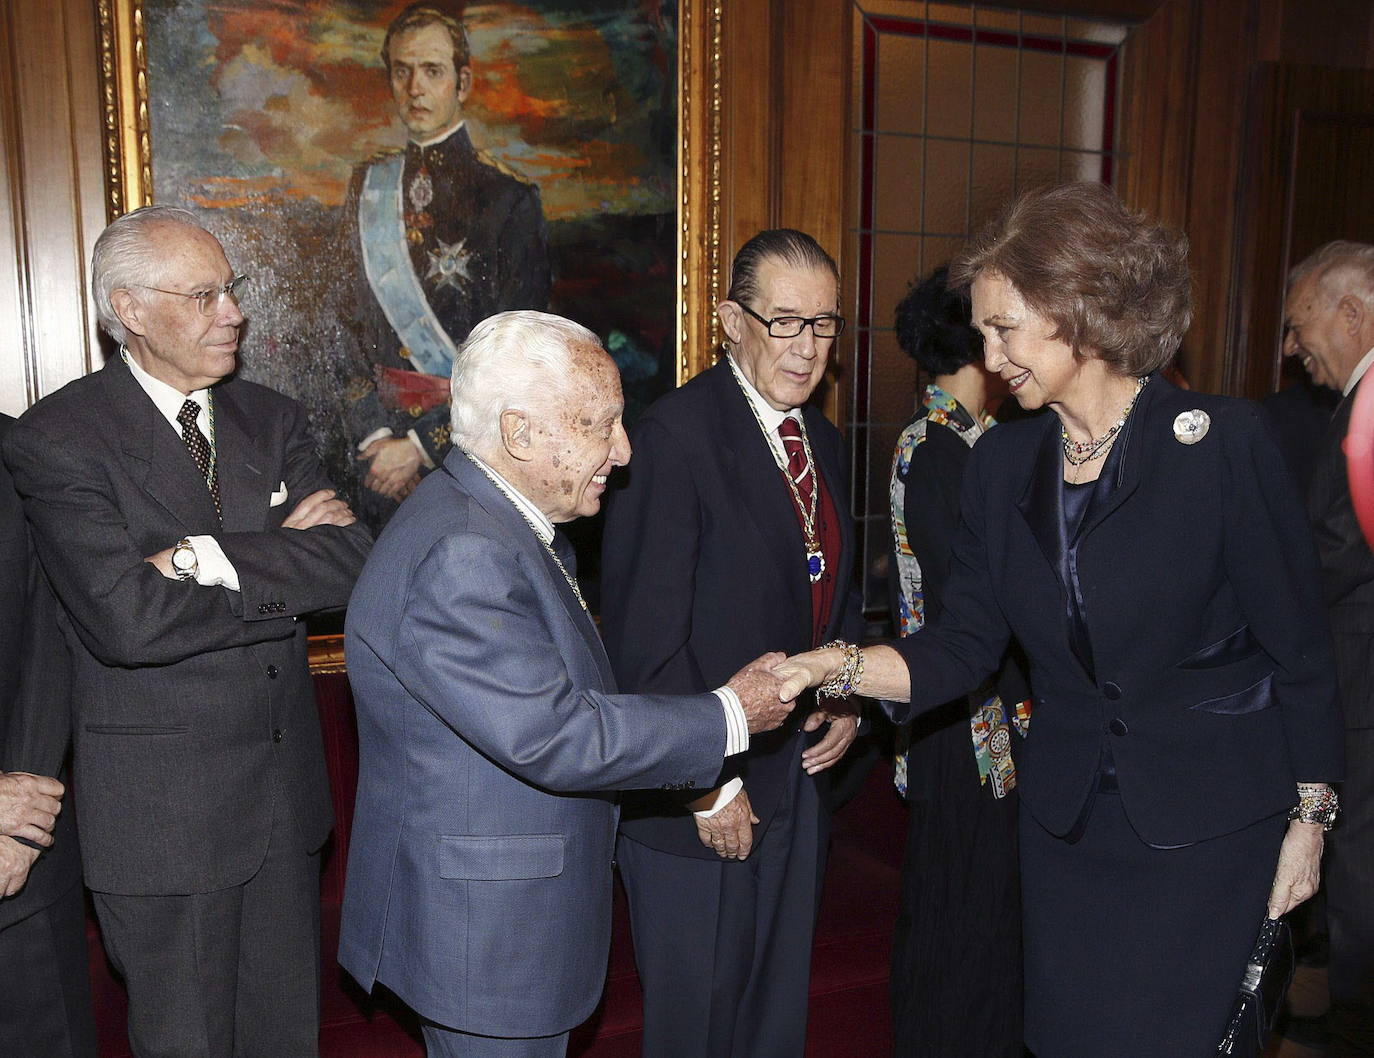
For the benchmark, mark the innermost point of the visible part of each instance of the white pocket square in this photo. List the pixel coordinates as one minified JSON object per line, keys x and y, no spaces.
{"x":278,"y":497}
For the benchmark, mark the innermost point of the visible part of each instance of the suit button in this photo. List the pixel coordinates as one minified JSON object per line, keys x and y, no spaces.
{"x":271,"y":672}
{"x":262,"y":607}
{"x":1112,"y":691}
{"x":1118,"y":727}
{"x":691,"y":784}
{"x":277,"y":735}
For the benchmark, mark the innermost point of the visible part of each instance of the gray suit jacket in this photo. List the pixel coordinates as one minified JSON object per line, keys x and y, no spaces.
{"x":479,"y":870}
{"x":195,"y":714}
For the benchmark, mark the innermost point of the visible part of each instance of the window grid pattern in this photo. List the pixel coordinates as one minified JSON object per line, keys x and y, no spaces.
{"x":911,"y":222}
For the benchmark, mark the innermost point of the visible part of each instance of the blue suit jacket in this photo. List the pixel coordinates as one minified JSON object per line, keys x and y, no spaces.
{"x":1209,"y":670}
{"x":479,"y":872}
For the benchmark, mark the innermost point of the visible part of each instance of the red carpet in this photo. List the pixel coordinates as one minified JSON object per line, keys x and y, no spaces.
{"x":849,"y":968}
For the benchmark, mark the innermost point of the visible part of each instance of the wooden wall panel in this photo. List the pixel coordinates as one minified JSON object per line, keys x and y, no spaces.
{"x":53,"y":191}
{"x":1298,"y":191}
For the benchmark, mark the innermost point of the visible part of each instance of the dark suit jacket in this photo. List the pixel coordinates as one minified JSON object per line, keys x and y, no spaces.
{"x":1210,"y":670}
{"x":703,"y":571}
{"x":35,"y":697}
{"x":1347,"y":568}
{"x":497,"y":219}
{"x":194,"y":709}
{"x":479,"y":868}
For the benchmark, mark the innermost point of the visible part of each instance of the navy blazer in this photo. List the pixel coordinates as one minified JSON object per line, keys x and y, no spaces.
{"x":703,"y":571}
{"x":490,"y":732}
{"x":1210,"y":672}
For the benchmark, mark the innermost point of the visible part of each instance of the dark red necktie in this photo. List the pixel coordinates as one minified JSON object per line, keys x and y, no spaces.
{"x":797,"y":466}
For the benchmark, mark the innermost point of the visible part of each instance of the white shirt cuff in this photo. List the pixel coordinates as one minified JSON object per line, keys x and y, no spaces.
{"x":724,"y":796}
{"x":374,"y":436}
{"x":213,"y":568}
{"x":424,"y":456}
{"x":736,"y":723}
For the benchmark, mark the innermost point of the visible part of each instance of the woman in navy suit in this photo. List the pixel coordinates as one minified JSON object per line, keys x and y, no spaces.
{"x":1145,"y":547}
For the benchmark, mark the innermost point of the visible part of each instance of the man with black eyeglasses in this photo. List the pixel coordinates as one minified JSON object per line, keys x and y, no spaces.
{"x":733,"y":534}
{"x":185,"y":522}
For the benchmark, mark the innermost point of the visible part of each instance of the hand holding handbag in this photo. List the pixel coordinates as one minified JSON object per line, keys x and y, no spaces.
{"x":1268,"y":973}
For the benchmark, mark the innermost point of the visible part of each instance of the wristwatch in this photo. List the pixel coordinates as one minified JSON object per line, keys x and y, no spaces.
{"x":184,"y":563}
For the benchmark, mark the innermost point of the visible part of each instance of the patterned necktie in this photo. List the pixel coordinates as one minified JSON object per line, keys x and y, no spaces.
{"x":200,"y":449}
{"x":797,"y":466}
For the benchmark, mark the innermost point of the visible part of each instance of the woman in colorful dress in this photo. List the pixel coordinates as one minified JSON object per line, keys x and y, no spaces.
{"x":956,"y":952}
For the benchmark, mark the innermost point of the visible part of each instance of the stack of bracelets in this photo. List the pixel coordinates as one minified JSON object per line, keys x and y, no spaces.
{"x":844,"y":682}
{"x":1317,"y":803}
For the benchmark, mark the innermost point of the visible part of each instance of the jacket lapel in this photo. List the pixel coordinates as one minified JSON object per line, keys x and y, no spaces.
{"x":244,"y":491}
{"x":157,"y":454}
{"x":764,"y":497}
{"x":1121,"y":476}
{"x":519,"y":532}
{"x":1042,"y":501}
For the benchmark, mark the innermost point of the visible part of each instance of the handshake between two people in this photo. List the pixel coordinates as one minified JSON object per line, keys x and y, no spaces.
{"x":768,"y":688}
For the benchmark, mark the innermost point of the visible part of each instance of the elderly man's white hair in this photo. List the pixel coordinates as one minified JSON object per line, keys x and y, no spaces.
{"x":124,"y":257}
{"x":1342,"y":267}
{"x":513,"y":360}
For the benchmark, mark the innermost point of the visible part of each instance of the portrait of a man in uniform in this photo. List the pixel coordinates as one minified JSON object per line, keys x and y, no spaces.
{"x":436,"y":236}
{"x":389,"y":173}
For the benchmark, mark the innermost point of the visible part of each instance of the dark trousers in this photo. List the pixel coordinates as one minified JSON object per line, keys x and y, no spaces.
{"x":1350,"y":904}
{"x":45,"y":986}
{"x":233,"y":973}
{"x":956,"y":948}
{"x":441,"y":1042}
{"x":723,"y":947}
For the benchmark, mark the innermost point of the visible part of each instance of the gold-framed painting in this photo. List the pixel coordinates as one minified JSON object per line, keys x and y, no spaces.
{"x":265,"y":116}
{"x":255,"y":113}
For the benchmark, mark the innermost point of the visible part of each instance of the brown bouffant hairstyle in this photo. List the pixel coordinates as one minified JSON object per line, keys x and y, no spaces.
{"x":1114,"y":284}
{"x":427,"y":14}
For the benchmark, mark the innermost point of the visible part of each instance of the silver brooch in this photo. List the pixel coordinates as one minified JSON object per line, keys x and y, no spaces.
{"x":1191,"y":426}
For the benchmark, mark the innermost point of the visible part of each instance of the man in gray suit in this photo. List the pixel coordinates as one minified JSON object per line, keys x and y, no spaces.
{"x":185,"y":522}
{"x":490,"y":728}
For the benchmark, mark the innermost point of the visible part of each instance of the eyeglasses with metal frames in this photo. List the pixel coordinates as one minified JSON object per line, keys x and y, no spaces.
{"x":827,"y":326}
{"x":208,"y":302}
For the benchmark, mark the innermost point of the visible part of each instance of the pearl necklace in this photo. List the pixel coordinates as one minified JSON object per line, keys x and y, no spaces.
{"x":1076,"y":453}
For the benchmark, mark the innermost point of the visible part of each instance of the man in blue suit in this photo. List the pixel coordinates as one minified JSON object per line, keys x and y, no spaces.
{"x":490,"y":729}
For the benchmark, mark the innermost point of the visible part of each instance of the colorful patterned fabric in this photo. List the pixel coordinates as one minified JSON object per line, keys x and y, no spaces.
{"x":989,"y":719}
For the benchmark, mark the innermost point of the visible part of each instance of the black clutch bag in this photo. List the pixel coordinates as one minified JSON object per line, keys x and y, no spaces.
{"x":1267,"y":976}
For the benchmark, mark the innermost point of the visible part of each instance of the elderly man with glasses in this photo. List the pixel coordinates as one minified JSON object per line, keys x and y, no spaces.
{"x":185,"y":523}
{"x":732,"y":537}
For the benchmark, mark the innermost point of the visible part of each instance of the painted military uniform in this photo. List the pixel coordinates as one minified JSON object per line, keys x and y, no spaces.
{"x":438,"y":238}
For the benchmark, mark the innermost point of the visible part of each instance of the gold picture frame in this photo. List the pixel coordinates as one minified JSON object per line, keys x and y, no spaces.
{"x":129,"y":154}
{"x":128,"y":148}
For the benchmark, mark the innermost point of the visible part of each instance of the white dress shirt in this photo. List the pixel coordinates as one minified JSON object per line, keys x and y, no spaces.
{"x":213,"y":568}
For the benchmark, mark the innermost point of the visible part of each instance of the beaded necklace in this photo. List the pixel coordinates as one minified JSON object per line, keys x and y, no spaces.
{"x":1076,"y":453}
{"x":815,"y":555}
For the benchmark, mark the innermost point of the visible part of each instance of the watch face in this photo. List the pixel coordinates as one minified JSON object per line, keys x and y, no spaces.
{"x":183,"y":558}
